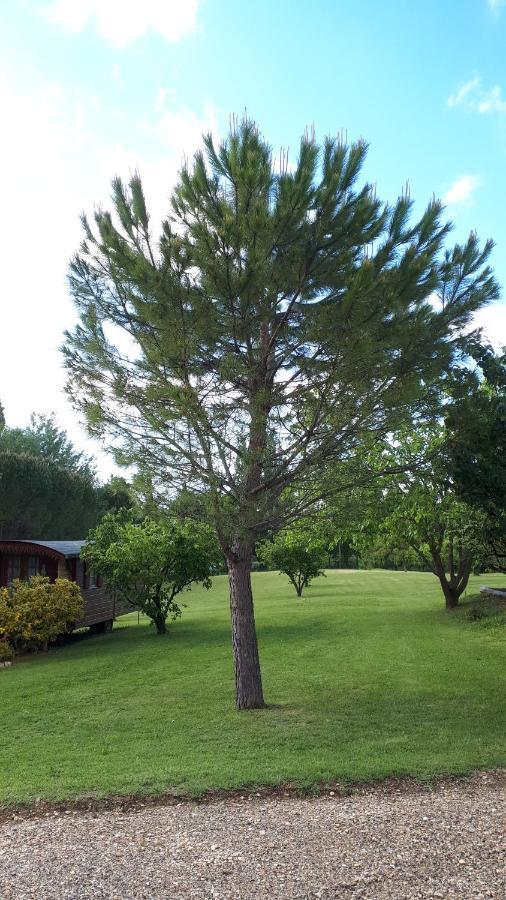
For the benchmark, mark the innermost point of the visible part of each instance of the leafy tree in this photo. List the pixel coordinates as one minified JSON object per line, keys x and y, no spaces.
{"x":419,"y":511}
{"x":36,"y":611}
{"x":378,"y":553}
{"x":151,"y":563}
{"x":41,"y":500}
{"x":148,"y":503}
{"x":285,"y":320}
{"x":48,"y":488}
{"x":299,"y":552}
{"x":476,"y":445}
{"x":2,"y":418}
{"x":44,"y":439}
{"x":117,"y":494}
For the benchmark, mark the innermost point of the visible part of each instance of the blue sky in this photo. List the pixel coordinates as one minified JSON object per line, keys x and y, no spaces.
{"x":91,"y":88}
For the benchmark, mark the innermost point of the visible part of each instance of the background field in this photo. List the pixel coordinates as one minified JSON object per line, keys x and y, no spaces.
{"x":365,"y":677}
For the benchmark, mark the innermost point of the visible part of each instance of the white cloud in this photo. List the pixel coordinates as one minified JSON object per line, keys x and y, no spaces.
{"x":473,"y":96}
{"x":122,"y":21}
{"x":495,"y":5}
{"x":55,"y":163}
{"x":492,"y":101}
{"x":161,"y":97}
{"x":462,"y":189}
{"x":492,"y":319}
{"x":463,"y":92}
{"x":116,"y":75}
{"x":181,"y":129}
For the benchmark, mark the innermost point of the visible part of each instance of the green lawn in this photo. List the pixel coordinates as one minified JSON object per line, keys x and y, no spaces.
{"x":365,"y":677}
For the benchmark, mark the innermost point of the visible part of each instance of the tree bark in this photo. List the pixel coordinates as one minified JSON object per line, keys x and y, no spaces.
{"x":451,"y":594}
{"x":456,"y":584}
{"x":160,"y":624}
{"x":248,"y":679}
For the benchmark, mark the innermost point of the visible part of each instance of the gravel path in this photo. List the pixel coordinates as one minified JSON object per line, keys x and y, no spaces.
{"x":403,"y":843}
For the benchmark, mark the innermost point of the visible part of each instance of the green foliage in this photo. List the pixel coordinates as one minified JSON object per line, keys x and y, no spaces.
{"x":117,"y":494}
{"x":36,"y":611}
{"x":151,"y":563}
{"x":40,"y":499}
{"x":48,"y":488}
{"x":378,"y":553}
{"x":189,"y":505}
{"x":284,"y":322}
{"x":476,"y":445}
{"x":6,"y":652}
{"x":44,"y":440}
{"x":418,"y":511}
{"x":300,"y":552}
{"x":488,"y":612}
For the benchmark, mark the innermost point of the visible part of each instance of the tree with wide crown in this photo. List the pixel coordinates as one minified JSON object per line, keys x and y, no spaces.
{"x":284,"y":320}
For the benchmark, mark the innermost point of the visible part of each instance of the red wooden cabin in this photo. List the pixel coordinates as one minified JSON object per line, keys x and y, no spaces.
{"x":61,"y":559}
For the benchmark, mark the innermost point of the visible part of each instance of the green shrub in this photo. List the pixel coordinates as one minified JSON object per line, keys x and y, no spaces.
{"x":35,"y":612}
{"x":6,"y":652}
{"x":488,"y":611}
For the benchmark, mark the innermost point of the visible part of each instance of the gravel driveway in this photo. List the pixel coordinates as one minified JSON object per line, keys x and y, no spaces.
{"x":402,"y":843}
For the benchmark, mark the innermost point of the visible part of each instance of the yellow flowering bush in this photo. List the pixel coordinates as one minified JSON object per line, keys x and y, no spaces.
{"x":35,"y":612}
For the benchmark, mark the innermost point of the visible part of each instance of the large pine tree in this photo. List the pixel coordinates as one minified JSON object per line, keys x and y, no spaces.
{"x":283,"y":321}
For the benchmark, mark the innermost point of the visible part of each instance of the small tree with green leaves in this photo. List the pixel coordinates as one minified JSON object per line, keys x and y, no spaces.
{"x":418,"y":510}
{"x":151,"y":563}
{"x":298,"y":552}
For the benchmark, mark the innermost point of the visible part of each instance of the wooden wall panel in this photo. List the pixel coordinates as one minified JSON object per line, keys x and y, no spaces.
{"x":100,"y":606}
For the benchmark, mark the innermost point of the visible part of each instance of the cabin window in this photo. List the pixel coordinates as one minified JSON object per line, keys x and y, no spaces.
{"x":94,"y":579}
{"x":13,"y":568}
{"x":28,"y":567}
{"x":79,"y":572}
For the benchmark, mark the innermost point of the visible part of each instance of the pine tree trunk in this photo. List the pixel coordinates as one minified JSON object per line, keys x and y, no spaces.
{"x":248,"y":679}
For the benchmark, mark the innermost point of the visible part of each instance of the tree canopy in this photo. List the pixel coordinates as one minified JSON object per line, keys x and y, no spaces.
{"x":42,"y":500}
{"x":44,"y":439}
{"x":300,"y":551}
{"x":284,"y":320}
{"x":476,"y":447}
{"x":418,"y":510}
{"x":48,"y":489}
{"x":151,"y":563}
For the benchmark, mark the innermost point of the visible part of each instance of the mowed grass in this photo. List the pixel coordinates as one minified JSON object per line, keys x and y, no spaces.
{"x":366,"y":677}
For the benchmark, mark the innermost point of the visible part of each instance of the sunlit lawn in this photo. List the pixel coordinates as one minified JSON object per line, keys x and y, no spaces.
{"x":365,"y":677}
